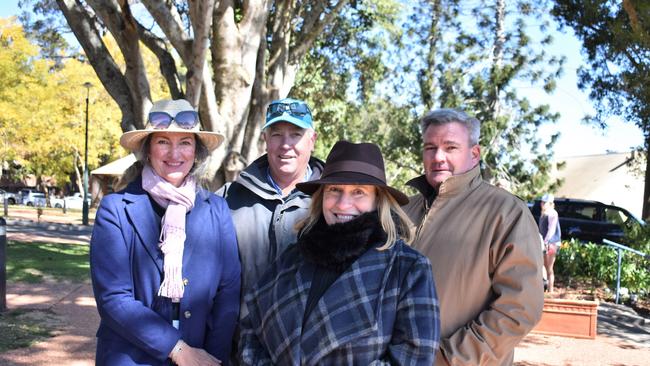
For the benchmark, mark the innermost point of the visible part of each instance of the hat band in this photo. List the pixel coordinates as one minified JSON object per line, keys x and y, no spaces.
{"x":356,"y":167}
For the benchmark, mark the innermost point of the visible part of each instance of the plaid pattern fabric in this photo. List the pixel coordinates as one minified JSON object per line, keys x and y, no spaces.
{"x":382,"y":310}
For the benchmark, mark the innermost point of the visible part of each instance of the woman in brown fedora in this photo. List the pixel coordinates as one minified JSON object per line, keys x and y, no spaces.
{"x":350,"y":291}
{"x":163,"y":253}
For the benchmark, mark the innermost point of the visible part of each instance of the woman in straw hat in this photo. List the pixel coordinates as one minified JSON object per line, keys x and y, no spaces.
{"x":350,"y":291}
{"x":163,"y":254}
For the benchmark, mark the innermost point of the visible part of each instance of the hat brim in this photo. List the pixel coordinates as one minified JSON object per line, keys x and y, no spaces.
{"x":352,"y":178}
{"x":288,"y":118}
{"x":132,"y":140}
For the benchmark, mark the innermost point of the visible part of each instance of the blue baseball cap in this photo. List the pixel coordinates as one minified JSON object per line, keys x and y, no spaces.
{"x":289,"y":110}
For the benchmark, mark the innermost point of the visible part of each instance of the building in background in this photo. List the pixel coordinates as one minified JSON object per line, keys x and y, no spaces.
{"x":102,"y":178}
{"x":613,"y":178}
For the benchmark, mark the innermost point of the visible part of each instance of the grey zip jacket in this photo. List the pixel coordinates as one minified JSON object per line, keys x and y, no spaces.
{"x":264,"y":220}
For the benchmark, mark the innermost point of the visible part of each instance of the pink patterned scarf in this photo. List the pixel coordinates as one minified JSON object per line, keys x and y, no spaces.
{"x":177,"y":201}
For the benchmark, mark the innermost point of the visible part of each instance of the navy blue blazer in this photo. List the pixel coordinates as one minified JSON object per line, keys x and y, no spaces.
{"x":126,"y":267}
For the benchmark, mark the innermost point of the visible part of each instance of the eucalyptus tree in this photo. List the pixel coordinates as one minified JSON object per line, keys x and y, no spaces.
{"x":228,"y":57}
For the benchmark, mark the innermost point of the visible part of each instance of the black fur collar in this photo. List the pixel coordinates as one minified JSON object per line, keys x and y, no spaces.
{"x":337,"y":246}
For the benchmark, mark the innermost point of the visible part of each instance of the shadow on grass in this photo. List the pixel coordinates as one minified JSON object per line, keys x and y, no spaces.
{"x":34,"y":261}
{"x":22,"y":327}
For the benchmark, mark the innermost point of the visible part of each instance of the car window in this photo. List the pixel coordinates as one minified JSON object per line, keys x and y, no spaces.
{"x":577,"y":211}
{"x":615,"y":216}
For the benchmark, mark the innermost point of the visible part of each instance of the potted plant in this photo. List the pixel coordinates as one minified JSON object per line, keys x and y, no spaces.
{"x":569,"y":316}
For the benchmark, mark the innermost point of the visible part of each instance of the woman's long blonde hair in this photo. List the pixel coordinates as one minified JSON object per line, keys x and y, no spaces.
{"x":391,"y":216}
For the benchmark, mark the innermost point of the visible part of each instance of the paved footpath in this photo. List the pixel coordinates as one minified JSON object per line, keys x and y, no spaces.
{"x":623,"y":337}
{"x":72,"y":307}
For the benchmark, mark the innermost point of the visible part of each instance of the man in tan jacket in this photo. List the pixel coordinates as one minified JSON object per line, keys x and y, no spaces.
{"x":482,"y":243}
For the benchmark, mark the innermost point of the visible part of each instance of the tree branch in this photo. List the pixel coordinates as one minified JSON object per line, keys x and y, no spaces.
{"x":120,"y":22}
{"x":309,"y":34}
{"x":201,"y":17}
{"x":166,"y":16}
{"x":167,"y":62}
{"x":105,"y":67}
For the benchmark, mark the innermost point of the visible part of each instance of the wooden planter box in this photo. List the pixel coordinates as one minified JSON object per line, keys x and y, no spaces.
{"x":568,"y":318}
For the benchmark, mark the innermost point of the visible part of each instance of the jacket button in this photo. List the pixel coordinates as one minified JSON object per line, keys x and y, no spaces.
{"x":187,"y":314}
{"x":185,"y":281}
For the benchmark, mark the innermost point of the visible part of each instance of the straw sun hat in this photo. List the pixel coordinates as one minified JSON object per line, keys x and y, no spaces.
{"x":132,"y":140}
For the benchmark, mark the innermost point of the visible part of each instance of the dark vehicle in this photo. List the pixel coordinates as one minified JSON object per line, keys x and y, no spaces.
{"x":590,"y":221}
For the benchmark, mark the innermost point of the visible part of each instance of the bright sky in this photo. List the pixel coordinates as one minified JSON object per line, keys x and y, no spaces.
{"x":576,"y":138}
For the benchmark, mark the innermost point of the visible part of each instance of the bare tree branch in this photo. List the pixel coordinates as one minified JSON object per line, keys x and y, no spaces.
{"x":308,"y":35}
{"x":169,"y":21}
{"x":118,"y":19}
{"x":166,"y":60}
{"x":105,"y":67}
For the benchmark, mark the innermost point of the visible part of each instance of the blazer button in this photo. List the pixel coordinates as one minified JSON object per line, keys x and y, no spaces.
{"x":185,"y":281}
{"x":187,"y":314}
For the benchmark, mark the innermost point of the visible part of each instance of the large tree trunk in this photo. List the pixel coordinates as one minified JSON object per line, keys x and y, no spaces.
{"x":232,"y":89}
{"x":102,"y":62}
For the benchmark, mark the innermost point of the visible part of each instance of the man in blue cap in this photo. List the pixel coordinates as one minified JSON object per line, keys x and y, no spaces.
{"x":263,"y":200}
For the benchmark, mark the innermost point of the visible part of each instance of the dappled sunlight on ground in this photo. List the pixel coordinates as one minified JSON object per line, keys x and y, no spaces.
{"x":73,"y":306}
{"x":85,"y":301}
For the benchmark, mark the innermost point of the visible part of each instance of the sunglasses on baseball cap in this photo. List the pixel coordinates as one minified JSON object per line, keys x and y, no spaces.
{"x":289,"y":110}
{"x":295,"y":108}
{"x":184,"y":119}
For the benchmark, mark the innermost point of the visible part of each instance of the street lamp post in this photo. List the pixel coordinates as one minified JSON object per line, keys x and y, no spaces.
{"x":84,"y":213}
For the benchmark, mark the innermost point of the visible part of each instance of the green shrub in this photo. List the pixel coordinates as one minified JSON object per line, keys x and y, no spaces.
{"x":597,"y":264}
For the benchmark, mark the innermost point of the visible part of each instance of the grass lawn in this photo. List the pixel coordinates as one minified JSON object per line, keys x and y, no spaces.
{"x":35,"y":263}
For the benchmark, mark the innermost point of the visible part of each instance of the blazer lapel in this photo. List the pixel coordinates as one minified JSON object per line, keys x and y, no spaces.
{"x":146,"y":224}
{"x":195,"y":223}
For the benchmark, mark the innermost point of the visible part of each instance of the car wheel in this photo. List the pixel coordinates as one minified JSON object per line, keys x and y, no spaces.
{"x":29,"y":204}
{"x":58,"y":205}
{"x":11,"y":201}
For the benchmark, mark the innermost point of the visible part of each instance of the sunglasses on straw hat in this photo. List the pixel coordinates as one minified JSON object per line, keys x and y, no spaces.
{"x":184,"y":119}
{"x":172,"y":116}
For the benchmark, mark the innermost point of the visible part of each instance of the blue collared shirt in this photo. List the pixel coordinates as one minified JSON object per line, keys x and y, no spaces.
{"x":277,"y":188}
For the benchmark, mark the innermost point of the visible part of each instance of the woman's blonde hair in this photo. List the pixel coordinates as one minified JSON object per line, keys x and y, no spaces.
{"x":391,"y":216}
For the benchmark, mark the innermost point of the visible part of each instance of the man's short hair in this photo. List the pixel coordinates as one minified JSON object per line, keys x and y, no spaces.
{"x":444,"y":116}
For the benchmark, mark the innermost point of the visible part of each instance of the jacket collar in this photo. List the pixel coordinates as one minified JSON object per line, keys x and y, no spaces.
{"x":337,"y":246}
{"x":254,"y":177}
{"x":139,"y":209}
{"x":450,"y":187}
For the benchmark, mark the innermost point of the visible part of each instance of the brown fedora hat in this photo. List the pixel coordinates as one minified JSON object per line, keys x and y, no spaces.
{"x":350,"y":163}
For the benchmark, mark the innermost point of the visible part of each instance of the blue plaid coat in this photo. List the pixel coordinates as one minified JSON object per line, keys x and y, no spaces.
{"x":382,"y":310}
